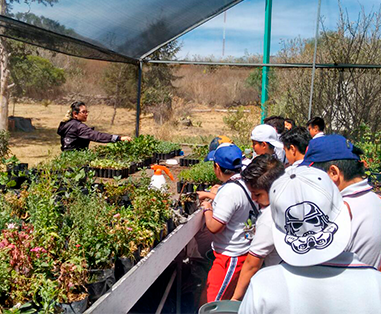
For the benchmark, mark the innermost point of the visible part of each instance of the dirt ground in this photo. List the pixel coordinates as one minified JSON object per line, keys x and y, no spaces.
{"x":44,"y":142}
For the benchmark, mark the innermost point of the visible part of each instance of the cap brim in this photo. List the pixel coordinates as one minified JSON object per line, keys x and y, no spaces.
{"x":316,"y":256}
{"x":210,"y":156}
{"x":276,"y":144}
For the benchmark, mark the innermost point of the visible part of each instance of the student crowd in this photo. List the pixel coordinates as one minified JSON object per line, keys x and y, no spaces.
{"x":295,"y":229}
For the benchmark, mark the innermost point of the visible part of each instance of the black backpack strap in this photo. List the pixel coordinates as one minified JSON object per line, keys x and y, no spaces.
{"x":254,"y":212}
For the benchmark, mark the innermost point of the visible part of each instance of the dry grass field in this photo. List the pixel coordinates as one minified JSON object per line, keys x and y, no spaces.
{"x":44,"y":142}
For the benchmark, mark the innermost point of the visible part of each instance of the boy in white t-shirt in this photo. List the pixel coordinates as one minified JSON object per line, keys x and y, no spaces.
{"x":295,"y":143}
{"x":258,"y":177}
{"x":311,"y":228}
{"x":225,"y":218}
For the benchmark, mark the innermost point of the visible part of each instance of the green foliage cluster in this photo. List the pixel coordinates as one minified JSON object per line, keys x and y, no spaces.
{"x":139,"y":148}
{"x":254,"y":80}
{"x":240,"y":123}
{"x":202,"y":172}
{"x":167,"y":147}
{"x":70,"y":160}
{"x":54,"y":232}
{"x":35,"y":76}
{"x":110,"y":164}
{"x":370,"y":143}
{"x":200,"y":151}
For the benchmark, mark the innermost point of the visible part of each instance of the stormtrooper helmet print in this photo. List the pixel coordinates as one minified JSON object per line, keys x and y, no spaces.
{"x":311,"y":221}
{"x":312,"y":230}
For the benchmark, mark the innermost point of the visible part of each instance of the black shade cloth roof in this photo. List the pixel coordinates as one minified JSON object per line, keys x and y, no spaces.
{"x":112,"y":30}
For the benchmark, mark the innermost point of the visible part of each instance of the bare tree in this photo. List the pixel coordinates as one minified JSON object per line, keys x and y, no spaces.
{"x":346,"y":98}
{"x":119,"y":82}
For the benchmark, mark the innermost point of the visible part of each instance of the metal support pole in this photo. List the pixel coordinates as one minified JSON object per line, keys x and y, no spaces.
{"x":179,"y":265}
{"x":137,"y":125}
{"x":166,"y":292}
{"x":266,"y":59}
{"x":314,"y":61}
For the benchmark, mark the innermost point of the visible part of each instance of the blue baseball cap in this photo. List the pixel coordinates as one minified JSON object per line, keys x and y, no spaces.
{"x":227,"y":155}
{"x":327,"y":148}
{"x":217,"y":141}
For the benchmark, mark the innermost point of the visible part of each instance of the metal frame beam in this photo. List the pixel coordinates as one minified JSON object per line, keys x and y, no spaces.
{"x":274,"y":65}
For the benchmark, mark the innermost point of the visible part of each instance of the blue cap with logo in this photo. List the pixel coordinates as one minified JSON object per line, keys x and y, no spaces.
{"x":327,"y":148}
{"x":228,"y":156}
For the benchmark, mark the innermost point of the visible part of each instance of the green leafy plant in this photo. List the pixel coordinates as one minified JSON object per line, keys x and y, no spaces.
{"x":239,"y":122}
{"x":202,"y":172}
{"x":199,"y":151}
{"x":109,"y":164}
{"x":371,"y":145}
{"x":70,"y":160}
{"x":167,"y":147}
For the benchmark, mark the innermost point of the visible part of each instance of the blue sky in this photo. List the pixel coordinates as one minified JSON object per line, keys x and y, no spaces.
{"x":244,"y":27}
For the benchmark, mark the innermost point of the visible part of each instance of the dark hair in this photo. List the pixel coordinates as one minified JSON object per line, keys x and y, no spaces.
{"x":350,"y":168}
{"x":75,"y":107}
{"x":262,"y":172}
{"x":298,"y":136}
{"x":291,"y":121}
{"x":228,"y":171}
{"x":277,"y":122}
{"x":316,"y":121}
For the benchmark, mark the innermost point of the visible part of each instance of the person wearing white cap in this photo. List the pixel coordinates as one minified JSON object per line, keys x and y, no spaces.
{"x":265,"y":140}
{"x":312,"y":227}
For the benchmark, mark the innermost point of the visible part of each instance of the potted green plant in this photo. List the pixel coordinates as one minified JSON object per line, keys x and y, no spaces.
{"x":197,"y":178}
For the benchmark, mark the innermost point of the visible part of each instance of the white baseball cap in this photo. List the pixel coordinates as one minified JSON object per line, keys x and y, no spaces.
{"x":312,"y":223}
{"x":266,"y":133}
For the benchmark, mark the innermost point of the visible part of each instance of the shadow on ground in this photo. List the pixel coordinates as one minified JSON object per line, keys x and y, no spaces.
{"x":41,"y":137}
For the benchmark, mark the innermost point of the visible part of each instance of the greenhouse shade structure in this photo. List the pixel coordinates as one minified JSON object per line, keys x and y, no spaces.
{"x":113,"y":30}
{"x":124,"y":31}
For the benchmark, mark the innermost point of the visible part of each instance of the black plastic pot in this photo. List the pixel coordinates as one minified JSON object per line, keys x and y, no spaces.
{"x":125,"y":201}
{"x":179,"y":186}
{"x":191,"y":187}
{"x":186,"y":161}
{"x":190,"y":207}
{"x":77,"y":307}
{"x":133,"y":168}
{"x":15,"y":169}
{"x":19,"y":181}
{"x":110,"y":173}
{"x":103,"y":281}
{"x":170,"y":225}
{"x":123,"y":266}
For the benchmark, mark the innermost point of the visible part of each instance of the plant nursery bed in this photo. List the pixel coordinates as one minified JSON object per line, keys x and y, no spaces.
{"x":129,"y":289}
